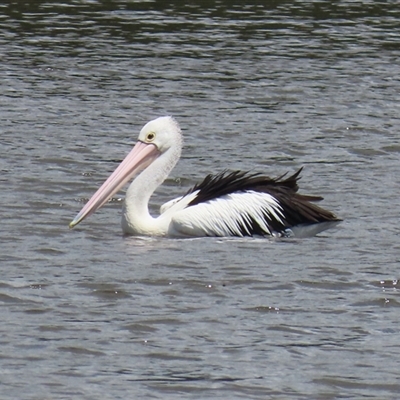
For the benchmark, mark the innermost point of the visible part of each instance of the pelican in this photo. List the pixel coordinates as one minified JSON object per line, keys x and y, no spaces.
{"x":227,"y":204}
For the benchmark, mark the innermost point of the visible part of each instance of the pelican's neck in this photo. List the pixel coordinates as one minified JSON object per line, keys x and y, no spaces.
{"x":136,"y":218}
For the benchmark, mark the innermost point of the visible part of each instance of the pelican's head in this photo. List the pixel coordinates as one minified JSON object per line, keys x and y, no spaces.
{"x":162,"y":132}
{"x":157,"y":137}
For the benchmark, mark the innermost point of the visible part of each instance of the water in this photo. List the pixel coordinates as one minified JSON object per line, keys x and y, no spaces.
{"x":91,"y":314}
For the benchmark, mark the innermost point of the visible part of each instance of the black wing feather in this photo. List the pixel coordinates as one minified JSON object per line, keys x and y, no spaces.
{"x":297,"y":208}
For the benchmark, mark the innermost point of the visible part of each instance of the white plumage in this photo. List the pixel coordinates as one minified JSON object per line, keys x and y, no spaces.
{"x":228,"y":215}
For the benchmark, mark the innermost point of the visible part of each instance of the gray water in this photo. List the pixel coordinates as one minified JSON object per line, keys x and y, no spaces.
{"x":91,"y":314}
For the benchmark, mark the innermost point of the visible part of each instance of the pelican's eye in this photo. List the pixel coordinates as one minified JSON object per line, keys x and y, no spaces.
{"x":150,"y":137}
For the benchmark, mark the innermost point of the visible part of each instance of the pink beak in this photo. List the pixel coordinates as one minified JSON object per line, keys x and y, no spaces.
{"x":141,"y":156}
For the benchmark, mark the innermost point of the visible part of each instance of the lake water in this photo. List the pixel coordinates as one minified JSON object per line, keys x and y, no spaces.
{"x":91,"y":314}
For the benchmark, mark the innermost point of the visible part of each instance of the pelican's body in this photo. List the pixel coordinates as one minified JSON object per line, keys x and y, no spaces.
{"x":228,"y":204}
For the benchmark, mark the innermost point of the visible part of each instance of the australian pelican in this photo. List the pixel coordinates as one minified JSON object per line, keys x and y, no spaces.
{"x":227,"y":204}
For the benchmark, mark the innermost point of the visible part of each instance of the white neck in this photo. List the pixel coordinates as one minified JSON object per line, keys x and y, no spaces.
{"x":136,"y":218}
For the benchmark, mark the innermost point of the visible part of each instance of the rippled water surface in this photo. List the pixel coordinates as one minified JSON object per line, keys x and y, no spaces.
{"x":91,"y":314}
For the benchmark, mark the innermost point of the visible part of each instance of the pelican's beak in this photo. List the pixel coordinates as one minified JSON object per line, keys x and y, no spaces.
{"x":141,"y":156}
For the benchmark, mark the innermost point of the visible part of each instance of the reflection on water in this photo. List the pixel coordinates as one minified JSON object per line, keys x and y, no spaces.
{"x":90,"y":313}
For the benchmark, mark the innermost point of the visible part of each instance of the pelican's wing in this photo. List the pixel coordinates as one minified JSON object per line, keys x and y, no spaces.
{"x":166,"y":206}
{"x":179,"y":203}
{"x":239,"y":204}
{"x":235,"y":214}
